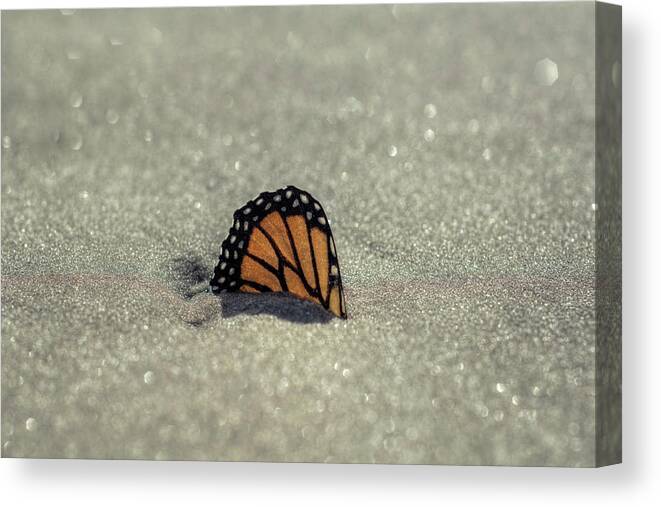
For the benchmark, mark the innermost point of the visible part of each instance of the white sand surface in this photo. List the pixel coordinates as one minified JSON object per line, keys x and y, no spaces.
{"x":460,"y":189}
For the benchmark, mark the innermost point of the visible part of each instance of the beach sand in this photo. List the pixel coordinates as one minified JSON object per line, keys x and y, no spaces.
{"x":459,"y":183}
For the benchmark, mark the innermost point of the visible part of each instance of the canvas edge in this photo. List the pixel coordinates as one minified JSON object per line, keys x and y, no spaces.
{"x":608,"y":234}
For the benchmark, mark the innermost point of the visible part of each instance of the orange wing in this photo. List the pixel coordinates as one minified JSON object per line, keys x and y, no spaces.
{"x":282,"y":242}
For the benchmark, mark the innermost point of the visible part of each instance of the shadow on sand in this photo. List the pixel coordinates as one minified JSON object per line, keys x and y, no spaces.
{"x":191,"y":275}
{"x":283,"y":306}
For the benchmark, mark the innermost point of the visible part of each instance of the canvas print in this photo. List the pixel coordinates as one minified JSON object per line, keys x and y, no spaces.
{"x":333,"y":234}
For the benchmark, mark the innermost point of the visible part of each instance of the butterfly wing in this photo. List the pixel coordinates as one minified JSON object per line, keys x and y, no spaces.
{"x":282,"y":242}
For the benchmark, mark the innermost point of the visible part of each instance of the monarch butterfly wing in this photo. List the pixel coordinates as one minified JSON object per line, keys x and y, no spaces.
{"x":281,"y":242}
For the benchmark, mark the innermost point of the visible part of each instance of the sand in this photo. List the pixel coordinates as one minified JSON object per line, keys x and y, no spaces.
{"x":459,"y":178}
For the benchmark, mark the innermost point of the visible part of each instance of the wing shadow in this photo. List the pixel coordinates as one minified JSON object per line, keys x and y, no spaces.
{"x":280,"y":305}
{"x":190,"y":276}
